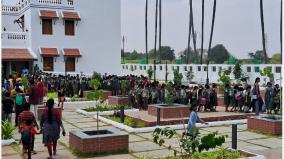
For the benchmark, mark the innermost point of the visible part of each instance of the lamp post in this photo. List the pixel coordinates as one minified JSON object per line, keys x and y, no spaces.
{"x":123,"y":40}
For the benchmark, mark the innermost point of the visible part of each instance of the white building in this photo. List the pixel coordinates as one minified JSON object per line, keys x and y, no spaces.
{"x":200,"y":73}
{"x":62,"y":36}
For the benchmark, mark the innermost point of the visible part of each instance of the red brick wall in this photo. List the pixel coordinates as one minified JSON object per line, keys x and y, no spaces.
{"x":106,"y":94}
{"x":220,"y":101}
{"x":265,"y":126}
{"x":169,"y":112}
{"x":100,"y":145}
{"x":116,"y":100}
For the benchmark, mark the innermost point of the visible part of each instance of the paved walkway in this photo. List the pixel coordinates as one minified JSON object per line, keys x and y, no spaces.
{"x":142,"y":145}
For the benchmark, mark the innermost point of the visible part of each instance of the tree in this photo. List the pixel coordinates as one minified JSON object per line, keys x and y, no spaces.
{"x":237,"y":71}
{"x":167,"y":53}
{"x":267,"y":71}
{"x":146,"y":31}
{"x":155,"y":47}
{"x":187,"y":56}
{"x":160,"y":29}
{"x":262,"y":31}
{"x":189,"y":75}
{"x":177,"y":77}
{"x":192,"y":28}
{"x":202,"y":32}
{"x":169,"y":93}
{"x":276,"y":59}
{"x":189,"y":34}
{"x":219,"y":54}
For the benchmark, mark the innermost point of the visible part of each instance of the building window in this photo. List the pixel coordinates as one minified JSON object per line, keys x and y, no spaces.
{"x":178,"y":68}
{"x":214,"y":68}
{"x":127,"y":67}
{"x":229,"y":68}
{"x":140,"y":67}
{"x":70,"y":64}
{"x":220,"y":69}
{"x":150,"y":67}
{"x":190,"y":68}
{"x":198,"y":68}
{"x":135,"y":67}
{"x":69,"y":27}
{"x":256,"y":69}
{"x":173,"y":68}
{"x":248,"y":69}
{"x":161,"y":68}
{"x":278,"y":69}
{"x":123,"y":67}
{"x":47,"y":26}
{"x":47,"y":63}
{"x":205,"y":68}
{"x":144,"y":67}
{"x":185,"y":68}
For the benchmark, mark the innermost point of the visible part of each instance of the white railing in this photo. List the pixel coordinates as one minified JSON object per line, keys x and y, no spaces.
{"x":11,"y":9}
{"x":23,"y":4}
{"x":14,"y":39}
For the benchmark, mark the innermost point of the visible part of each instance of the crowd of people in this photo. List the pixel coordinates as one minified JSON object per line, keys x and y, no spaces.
{"x":140,"y":91}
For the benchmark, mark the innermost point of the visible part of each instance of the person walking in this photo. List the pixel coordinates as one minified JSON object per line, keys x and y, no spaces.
{"x":50,"y":124}
{"x":61,"y":97}
{"x":34,"y":96}
{"x":24,"y":116}
{"x":269,"y":92}
{"x":19,"y":104}
{"x":227,"y":97}
{"x":193,"y":118}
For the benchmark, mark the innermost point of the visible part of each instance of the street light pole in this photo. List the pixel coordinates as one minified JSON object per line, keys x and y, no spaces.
{"x":123,"y":40}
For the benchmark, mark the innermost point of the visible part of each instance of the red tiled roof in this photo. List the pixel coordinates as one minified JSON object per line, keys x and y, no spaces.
{"x":71,"y":15}
{"x":13,"y":54}
{"x":49,"y":52}
{"x":71,"y":52}
{"x":48,"y":14}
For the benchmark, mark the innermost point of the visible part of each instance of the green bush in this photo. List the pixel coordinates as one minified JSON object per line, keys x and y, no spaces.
{"x":170,"y":95}
{"x":8,"y":130}
{"x":129,"y":121}
{"x":96,"y":76}
{"x":90,"y":95}
{"x":52,"y":95}
{"x":105,"y":108}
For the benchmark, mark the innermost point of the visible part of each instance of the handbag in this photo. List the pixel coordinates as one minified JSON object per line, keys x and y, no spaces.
{"x":203,"y":101}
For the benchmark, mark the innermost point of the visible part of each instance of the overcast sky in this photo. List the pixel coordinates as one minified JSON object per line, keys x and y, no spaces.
{"x":237,"y":24}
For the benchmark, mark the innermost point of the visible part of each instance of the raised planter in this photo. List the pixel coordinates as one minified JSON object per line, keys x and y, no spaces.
{"x":169,"y":111}
{"x":266,"y":124}
{"x":81,"y":111}
{"x":41,"y":108}
{"x":118,"y":100}
{"x":220,"y":101}
{"x":7,"y":142}
{"x":106,"y":94}
{"x":107,"y":141}
{"x":247,"y":154}
{"x":80,"y":103}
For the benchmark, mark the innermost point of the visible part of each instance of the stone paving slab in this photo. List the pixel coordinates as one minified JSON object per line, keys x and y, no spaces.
{"x":148,"y":136}
{"x":156,"y":153}
{"x":17,"y":156}
{"x":135,"y":138}
{"x":81,"y":120}
{"x":271,"y":153}
{"x":61,"y":154}
{"x":122,"y":156}
{"x":243,"y":127}
{"x":143,"y":146}
{"x":269,"y":142}
{"x":249,"y":136}
{"x":8,"y":150}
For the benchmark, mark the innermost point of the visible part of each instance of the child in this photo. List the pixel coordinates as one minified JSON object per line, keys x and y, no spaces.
{"x":193,"y":118}
{"x":227,"y":96}
{"x":27,"y":134}
{"x":19,"y":102}
{"x":7,"y":107}
{"x":247,"y":99}
{"x":269,"y":98}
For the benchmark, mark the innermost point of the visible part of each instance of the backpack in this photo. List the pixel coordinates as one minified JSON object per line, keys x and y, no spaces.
{"x":26,"y":136}
{"x":19,"y":100}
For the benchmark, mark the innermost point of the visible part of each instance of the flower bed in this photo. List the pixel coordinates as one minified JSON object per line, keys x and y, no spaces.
{"x":129,"y":121}
{"x":169,"y":111}
{"x":266,"y":124}
{"x":118,"y":100}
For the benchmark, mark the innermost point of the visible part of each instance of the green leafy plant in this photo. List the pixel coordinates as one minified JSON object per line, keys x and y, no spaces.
{"x":150,"y":73}
{"x":94,"y":83}
{"x":189,"y":145}
{"x":105,"y":107}
{"x":52,"y":95}
{"x":189,"y":75}
{"x":169,"y":95}
{"x":90,"y":96}
{"x":237,"y":71}
{"x":26,"y":83}
{"x":224,"y":77}
{"x":129,"y":121}
{"x":8,"y":130}
{"x":177,"y":77}
{"x":124,"y":87}
{"x":96,"y":76}
{"x":267,"y":71}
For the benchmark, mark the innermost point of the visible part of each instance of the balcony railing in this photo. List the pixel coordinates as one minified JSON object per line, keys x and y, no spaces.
{"x":23,"y":4}
{"x":15,"y":39}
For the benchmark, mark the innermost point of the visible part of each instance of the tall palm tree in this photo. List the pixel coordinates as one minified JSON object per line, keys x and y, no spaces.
{"x":146,"y":30}
{"x":192,"y":29}
{"x":189,"y":34}
{"x":202,"y":32}
{"x":210,"y":40}
{"x":155,"y":47}
{"x":160,"y":28}
{"x":262,"y":31}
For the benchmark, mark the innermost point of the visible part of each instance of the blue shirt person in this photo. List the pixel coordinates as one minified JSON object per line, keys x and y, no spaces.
{"x":194,"y":118}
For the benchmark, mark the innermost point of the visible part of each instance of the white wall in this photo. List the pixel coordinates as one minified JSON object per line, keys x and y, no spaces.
{"x":200,"y":76}
{"x":97,"y":35}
